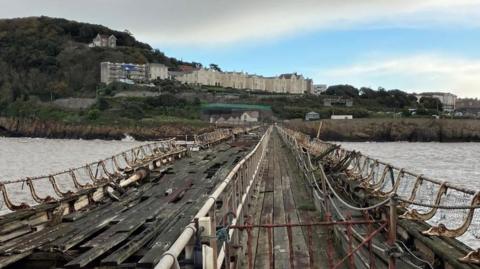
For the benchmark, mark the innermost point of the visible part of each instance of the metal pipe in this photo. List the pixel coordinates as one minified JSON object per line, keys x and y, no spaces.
{"x":392,"y":231}
{"x":167,"y":261}
{"x":323,"y":223}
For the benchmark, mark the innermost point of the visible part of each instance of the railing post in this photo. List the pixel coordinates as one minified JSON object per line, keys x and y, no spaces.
{"x":213,"y":238}
{"x":392,"y":231}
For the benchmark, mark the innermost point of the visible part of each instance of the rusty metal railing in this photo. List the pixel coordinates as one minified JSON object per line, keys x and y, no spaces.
{"x":208,"y":139}
{"x":27,"y":192}
{"x":453,"y":211}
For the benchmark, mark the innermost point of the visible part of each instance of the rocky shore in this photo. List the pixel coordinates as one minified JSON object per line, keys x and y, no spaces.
{"x":414,"y":130}
{"x":51,"y":129}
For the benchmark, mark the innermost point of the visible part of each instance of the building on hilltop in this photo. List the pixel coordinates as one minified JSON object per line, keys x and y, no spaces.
{"x":319,"y":89}
{"x":104,"y":41}
{"x":312,"y":116}
{"x":338,"y":101}
{"x":468,"y":106}
{"x":286,"y":83}
{"x":448,"y":100}
{"x":132,"y":73}
{"x":341,"y":117}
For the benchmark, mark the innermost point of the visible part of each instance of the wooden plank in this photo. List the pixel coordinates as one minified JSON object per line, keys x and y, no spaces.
{"x":262,"y":255}
{"x":280,"y":234}
{"x":151,"y":231}
{"x":7,"y":260}
{"x":161,"y":243}
{"x":87,"y":257}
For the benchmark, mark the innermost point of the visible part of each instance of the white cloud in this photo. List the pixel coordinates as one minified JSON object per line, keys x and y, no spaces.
{"x":426,"y":72}
{"x":212,"y":22}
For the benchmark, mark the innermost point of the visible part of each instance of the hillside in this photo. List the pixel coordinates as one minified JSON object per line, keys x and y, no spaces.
{"x":49,"y":58}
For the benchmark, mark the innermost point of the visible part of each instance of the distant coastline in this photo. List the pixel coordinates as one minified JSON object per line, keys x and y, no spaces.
{"x":389,"y":130}
{"x":23,"y":127}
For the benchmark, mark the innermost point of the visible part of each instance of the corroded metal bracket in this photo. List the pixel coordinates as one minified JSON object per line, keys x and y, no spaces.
{"x":413,"y":194}
{"x":442,"y":230}
{"x":472,"y":257}
{"x":378,"y":191}
{"x":9,"y":203}
{"x":413,"y":214}
{"x":35,"y":196}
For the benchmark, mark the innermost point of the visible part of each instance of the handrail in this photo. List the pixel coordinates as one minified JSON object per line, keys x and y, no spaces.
{"x":244,"y":166}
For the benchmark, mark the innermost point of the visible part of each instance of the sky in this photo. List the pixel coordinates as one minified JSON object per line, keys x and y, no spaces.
{"x":416,"y":46}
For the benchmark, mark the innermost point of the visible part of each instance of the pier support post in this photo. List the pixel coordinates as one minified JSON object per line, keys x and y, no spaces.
{"x":392,"y":231}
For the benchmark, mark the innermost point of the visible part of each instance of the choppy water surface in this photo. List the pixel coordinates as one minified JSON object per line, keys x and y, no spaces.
{"x":24,"y":157}
{"x":453,"y":162}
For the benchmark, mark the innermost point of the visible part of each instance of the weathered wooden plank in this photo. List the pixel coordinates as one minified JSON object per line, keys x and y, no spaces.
{"x":137,"y":206}
{"x":150,"y":232}
{"x":7,"y":260}
{"x":279,"y":234}
{"x":262,"y":255}
{"x":133,"y":245}
{"x":161,"y":243}
{"x":92,"y":254}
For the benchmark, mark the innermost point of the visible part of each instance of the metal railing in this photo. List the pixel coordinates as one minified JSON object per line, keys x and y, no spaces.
{"x":235,"y":193}
{"x":453,"y":211}
{"x":31,"y":191}
{"x":27,"y":192}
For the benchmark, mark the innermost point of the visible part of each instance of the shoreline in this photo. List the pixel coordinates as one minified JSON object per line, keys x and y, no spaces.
{"x":356,"y":130}
{"x":22,"y":127}
{"x":392,"y":130}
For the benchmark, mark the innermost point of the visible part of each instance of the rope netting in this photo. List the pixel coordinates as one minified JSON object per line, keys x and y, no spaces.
{"x":451,"y":210}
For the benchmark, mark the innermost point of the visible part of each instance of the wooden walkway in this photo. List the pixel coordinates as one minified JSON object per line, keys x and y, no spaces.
{"x":133,"y":231}
{"x":282,"y":197}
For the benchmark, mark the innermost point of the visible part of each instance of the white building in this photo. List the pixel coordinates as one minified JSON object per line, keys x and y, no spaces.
{"x":134,"y":73}
{"x":249,"y":116}
{"x":448,"y":100}
{"x":342,"y":117}
{"x":104,"y":41}
{"x":312,"y":116}
{"x":235,"y":118}
{"x":285,"y":83}
{"x":319,"y":89}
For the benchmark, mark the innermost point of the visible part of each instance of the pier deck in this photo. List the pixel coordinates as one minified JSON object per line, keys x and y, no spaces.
{"x":134,"y":230}
{"x":282,"y":197}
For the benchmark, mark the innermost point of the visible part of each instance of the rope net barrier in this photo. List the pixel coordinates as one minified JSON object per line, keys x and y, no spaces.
{"x":453,"y":211}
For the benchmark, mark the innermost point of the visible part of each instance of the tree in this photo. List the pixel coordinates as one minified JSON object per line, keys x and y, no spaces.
{"x":342,"y":90}
{"x":431,"y":103}
{"x":215,"y":67}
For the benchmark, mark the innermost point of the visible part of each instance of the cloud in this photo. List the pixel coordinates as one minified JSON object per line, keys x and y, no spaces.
{"x":425,"y":72}
{"x":220,"y":22}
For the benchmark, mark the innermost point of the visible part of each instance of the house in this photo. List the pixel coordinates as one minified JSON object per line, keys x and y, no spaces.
{"x":312,"y":116}
{"x":448,"y":100}
{"x":250,"y":116}
{"x":338,"y":101}
{"x":235,"y":117}
{"x":319,"y":89}
{"x":132,"y":73}
{"x":342,"y":117}
{"x":104,"y":41}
